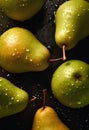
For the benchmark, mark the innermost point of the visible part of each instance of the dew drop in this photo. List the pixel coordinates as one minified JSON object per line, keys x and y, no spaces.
{"x":13,"y":54}
{"x":49,"y":47}
{"x":5,"y":94}
{"x":31,"y":60}
{"x":76,"y":86}
{"x":66,"y":93}
{"x":6,"y":89}
{"x":26,"y":57}
{"x":78,"y":102}
{"x":0,"y":80}
{"x":78,"y":15}
{"x":9,"y":103}
{"x":27,"y":50}
{"x":8,"y":75}
{"x":12,"y":98}
{"x":38,"y":127}
{"x":17,"y":100}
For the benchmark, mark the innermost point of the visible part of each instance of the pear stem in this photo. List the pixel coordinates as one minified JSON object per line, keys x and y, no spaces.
{"x":44,"y":97}
{"x":54,"y":60}
{"x":33,"y":99}
{"x":64,"y":53}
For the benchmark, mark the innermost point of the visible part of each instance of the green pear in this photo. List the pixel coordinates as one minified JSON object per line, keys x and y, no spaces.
{"x":70,"y":83}
{"x":12,"y":98}
{"x":72,"y":23}
{"x":47,"y":119}
{"x":21,"y":9}
{"x":21,"y":51}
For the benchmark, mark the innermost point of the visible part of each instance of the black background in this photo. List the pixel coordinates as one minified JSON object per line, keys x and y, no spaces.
{"x":42,"y":26}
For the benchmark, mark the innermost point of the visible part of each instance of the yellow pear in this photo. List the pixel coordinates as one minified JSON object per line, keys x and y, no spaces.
{"x":21,"y":51}
{"x":47,"y":119}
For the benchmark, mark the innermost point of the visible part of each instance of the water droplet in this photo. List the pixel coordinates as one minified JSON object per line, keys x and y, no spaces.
{"x":27,"y":50}
{"x":12,"y":98}
{"x":66,"y":93}
{"x":72,"y":84}
{"x":5,"y":94}
{"x":13,"y":54}
{"x":69,"y":37}
{"x":17,"y":100}
{"x":78,"y":15}
{"x":8,"y":75}
{"x":9,"y":103}
{"x":0,"y":80}
{"x":31,"y":60}
{"x":6,"y":89}
{"x":79,"y":102}
{"x":39,"y":64}
{"x":77,"y":87}
{"x":38,"y":127}
{"x":15,"y":49}
{"x":54,"y":12}
{"x":26,"y":57}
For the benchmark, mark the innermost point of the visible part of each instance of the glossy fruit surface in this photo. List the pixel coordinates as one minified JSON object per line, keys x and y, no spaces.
{"x":47,"y":119}
{"x":23,"y":51}
{"x":70,"y":83}
{"x":21,"y":9}
{"x":12,"y":98}
{"x":71,"y":21}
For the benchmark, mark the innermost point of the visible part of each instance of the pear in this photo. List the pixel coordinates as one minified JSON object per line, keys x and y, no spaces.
{"x":70,"y":83}
{"x":21,"y":51}
{"x":72,"y":23}
{"x":47,"y":119}
{"x":21,"y":9}
{"x":12,"y":98}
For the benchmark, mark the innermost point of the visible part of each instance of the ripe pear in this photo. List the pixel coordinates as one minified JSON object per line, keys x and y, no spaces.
{"x":21,"y":9}
{"x":70,"y":83}
{"x":47,"y":119}
{"x":72,"y":23}
{"x":12,"y":98}
{"x":21,"y":51}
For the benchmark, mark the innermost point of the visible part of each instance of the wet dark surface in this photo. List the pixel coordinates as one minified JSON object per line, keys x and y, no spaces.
{"x":43,"y":27}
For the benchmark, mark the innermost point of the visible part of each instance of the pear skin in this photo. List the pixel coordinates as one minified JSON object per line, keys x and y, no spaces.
{"x":21,"y":51}
{"x":70,"y":83}
{"x":72,"y":23}
{"x":21,"y":10}
{"x":12,"y":98}
{"x":47,"y":119}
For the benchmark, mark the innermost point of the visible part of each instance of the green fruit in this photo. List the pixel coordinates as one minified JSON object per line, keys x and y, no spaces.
{"x":70,"y":83}
{"x":21,"y":51}
{"x":72,"y":23}
{"x":12,"y":98}
{"x":47,"y":119}
{"x":21,"y":9}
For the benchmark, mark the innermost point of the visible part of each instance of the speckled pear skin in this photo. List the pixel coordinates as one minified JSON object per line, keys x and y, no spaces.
{"x":21,"y":10}
{"x":47,"y":119}
{"x":72,"y":23}
{"x":70,"y":83}
{"x":22,"y":52}
{"x":12,"y":98}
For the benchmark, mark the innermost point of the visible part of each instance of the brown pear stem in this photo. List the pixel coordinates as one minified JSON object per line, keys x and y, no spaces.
{"x":44,"y":97}
{"x":33,"y":99}
{"x":54,"y":60}
{"x":64,"y":53}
